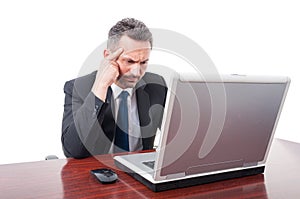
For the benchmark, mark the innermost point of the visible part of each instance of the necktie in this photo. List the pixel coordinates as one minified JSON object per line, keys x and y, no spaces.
{"x":121,"y":137}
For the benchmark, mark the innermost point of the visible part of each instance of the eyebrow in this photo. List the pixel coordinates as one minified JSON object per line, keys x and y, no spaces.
{"x":128,"y":57}
{"x":145,"y":60}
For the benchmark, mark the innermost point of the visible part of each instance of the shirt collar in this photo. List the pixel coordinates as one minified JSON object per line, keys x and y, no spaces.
{"x":117,"y":90}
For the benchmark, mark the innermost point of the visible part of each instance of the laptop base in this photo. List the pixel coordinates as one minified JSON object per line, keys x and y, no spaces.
{"x":163,"y":186}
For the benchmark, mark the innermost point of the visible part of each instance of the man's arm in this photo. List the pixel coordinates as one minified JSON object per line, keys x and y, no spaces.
{"x":82,"y":134}
{"x":81,"y":123}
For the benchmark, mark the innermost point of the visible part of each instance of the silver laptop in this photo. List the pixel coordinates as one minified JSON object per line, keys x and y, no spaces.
{"x":214,"y":128}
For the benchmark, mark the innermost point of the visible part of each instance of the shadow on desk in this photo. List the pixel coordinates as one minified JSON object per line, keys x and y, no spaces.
{"x":78,"y":183}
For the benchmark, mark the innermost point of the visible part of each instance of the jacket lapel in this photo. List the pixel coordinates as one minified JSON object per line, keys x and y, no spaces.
{"x":143,"y":104}
{"x":109,"y":124}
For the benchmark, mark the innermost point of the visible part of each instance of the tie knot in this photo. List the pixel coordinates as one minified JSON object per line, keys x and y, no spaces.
{"x":123,"y":95}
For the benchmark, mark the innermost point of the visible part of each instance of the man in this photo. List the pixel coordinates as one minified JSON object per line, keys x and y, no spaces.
{"x":120,"y":106}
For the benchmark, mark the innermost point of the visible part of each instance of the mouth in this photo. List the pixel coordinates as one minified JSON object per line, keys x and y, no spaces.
{"x":128,"y":82}
{"x":131,"y":79}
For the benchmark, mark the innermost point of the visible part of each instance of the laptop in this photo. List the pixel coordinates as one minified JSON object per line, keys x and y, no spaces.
{"x":214,"y":128}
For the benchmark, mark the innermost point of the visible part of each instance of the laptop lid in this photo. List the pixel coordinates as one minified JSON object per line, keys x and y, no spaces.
{"x":218,"y":123}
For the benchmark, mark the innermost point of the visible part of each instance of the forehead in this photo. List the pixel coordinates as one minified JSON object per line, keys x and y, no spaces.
{"x":133,"y":48}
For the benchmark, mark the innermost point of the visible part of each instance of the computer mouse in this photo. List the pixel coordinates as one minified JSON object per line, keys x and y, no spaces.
{"x":105,"y":176}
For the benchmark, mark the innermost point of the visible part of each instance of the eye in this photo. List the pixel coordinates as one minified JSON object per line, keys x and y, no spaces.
{"x":144,"y":62}
{"x":130,"y":61}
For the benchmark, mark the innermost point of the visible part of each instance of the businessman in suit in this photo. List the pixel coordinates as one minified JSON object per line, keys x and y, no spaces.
{"x":96,"y":119}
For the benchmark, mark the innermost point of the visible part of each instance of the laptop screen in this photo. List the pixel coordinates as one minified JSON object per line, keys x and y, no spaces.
{"x":219,"y":125}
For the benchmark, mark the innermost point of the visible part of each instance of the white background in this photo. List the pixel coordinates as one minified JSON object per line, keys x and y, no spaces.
{"x":45,"y":43}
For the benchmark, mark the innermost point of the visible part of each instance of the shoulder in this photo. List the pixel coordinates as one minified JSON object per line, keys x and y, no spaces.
{"x":79,"y":81}
{"x":152,"y":78}
{"x":153,"y":84}
{"x":81,"y":84}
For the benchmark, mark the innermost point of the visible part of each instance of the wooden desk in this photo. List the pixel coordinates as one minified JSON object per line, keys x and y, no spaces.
{"x":70,"y":178}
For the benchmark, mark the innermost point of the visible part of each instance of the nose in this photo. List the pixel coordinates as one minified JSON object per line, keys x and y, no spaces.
{"x":136,"y":69}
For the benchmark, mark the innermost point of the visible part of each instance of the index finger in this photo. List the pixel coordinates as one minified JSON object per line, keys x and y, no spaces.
{"x":115,"y":55}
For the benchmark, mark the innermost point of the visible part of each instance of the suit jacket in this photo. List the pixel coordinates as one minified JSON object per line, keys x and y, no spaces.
{"x":88,"y":126}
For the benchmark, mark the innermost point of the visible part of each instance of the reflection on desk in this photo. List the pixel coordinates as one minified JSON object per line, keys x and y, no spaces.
{"x":70,"y":178}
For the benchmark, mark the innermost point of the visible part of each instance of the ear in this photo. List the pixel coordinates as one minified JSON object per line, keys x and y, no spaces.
{"x":106,"y":52}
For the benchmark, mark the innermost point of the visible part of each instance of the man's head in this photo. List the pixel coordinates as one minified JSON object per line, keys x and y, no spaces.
{"x":136,"y":40}
{"x":130,"y":27}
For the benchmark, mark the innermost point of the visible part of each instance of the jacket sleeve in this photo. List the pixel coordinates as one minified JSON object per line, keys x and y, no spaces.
{"x":82,"y":135}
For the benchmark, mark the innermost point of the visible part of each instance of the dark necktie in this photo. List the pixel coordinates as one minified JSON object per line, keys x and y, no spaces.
{"x":121,"y":137}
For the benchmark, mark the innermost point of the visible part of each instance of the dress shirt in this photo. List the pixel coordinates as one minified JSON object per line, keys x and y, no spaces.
{"x":134,"y":131}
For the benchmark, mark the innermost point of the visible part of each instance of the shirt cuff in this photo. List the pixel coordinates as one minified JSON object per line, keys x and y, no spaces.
{"x":98,"y":104}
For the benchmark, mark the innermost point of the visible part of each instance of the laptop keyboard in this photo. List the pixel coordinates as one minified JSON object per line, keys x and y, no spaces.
{"x":149,"y":164}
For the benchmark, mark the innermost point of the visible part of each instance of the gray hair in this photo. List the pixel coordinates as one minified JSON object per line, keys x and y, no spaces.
{"x":130,"y":27}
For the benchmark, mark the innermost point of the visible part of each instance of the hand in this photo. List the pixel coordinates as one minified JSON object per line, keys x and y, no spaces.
{"x":108,"y":72}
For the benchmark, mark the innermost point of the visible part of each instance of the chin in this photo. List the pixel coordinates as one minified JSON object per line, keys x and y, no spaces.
{"x":130,"y":85}
{"x":124,"y":83}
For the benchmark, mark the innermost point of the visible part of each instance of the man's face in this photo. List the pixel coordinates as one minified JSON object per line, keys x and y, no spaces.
{"x":132,"y":62}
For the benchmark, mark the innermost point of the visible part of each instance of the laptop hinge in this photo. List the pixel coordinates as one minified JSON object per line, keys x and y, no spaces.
{"x":250,"y":164}
{"x":175,"y":175}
